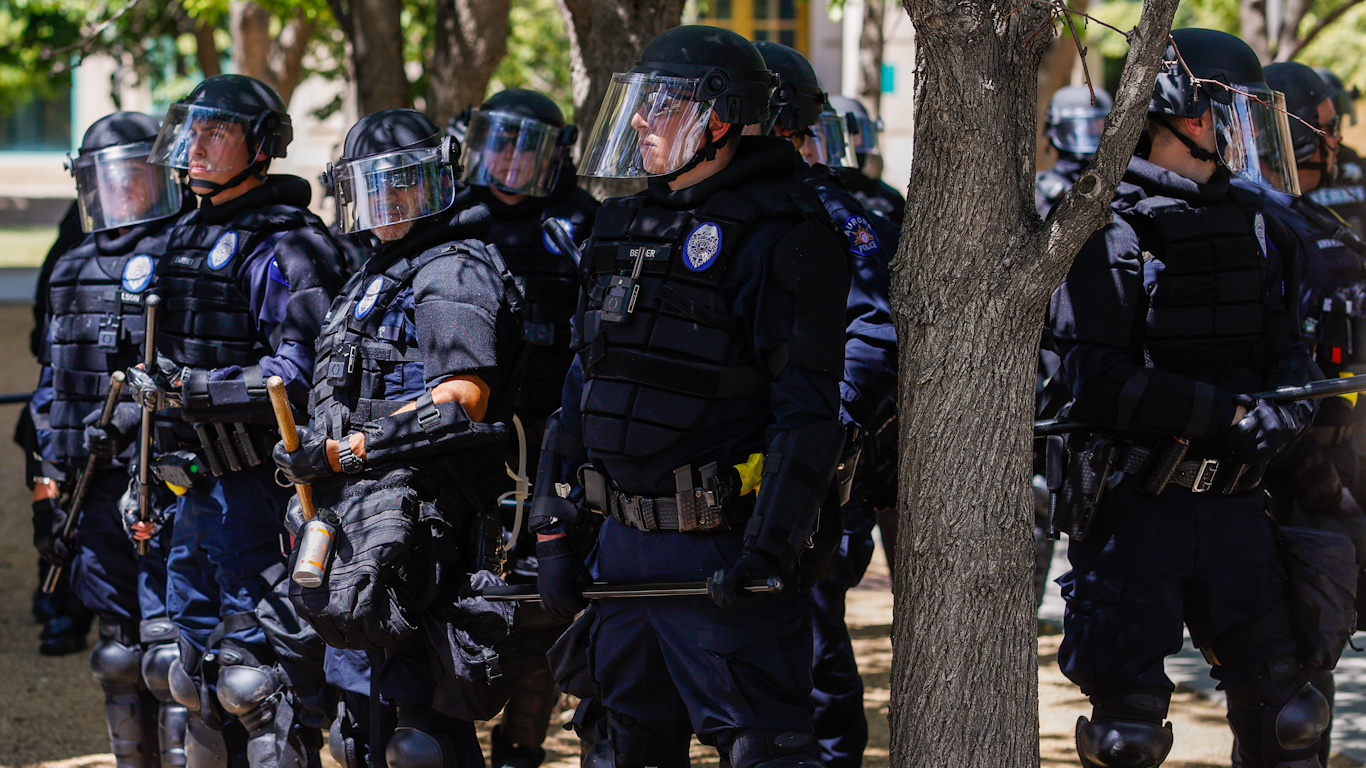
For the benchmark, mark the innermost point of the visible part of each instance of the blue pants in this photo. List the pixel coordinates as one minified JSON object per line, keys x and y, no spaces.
{"x":1151,"y":564}
{"x":682,"y":664}
{"x":227,"y":532}
{"x":104,"y":572}
{"x":841,"y":725}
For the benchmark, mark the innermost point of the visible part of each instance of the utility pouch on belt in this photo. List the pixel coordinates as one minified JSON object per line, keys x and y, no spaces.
{"x":179,"y":469}
{"x":1321,"y":566}
{"x":1090,"y":463}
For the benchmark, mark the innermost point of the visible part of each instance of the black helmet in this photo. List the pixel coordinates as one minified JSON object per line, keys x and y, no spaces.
{"x":864,"y":128}
{"x":257,"y":105}
{"x":798,"y":100}
{"x":1073,"y":124}
{"x":1344,"y":98}
{"x":1210,"y":55}
{"x":119,"y":128}
{"x":517,"y":142}
{"x":389,"y":130}
{"x":729,"y":68}
{"x":390,"y":150}
{"x":524,"y":102}
{"x":1304,"y":90}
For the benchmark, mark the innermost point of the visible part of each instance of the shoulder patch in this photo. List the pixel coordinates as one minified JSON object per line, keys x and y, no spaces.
{"x":369,"y":297}
{"x":223,"y":250}
{"x":862,"y":240}
{"x":550,"y":244}
{"x":702,"y":246}
{"x":1259,"y":226}
{"x":137,"y":273}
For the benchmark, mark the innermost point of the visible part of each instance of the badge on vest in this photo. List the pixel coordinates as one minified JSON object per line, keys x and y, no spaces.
{"x":862,"y":240}
{"x":368,"y":299}
{"x":550,"y":244}
{"x":1259,"y":226}
{"x":137,"y":273}
{"x":702,"y":246}
{"x":223,"y":250}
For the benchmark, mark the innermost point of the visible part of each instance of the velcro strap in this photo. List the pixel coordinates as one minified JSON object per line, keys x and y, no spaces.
{"x":428,"y":417}
{"x":696,"y":379}
{"x":196,"y":389}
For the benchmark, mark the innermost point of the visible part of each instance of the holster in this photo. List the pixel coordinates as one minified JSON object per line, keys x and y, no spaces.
{"x":1079,"y":471}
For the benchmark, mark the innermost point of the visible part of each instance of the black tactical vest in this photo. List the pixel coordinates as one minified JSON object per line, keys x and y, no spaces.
{"x":1206,"y":273}
{"x":95,"y":296}
{"x":1334,"y":317}
{"x":206,"y":320}
{"x":648,"y":377}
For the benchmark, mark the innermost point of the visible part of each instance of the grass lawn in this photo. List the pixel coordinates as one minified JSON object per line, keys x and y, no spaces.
{"x":25,"y":246}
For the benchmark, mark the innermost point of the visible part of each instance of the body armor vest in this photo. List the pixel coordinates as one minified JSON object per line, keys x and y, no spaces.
{"x":206,"y":320}
{"x":1205,"y":269}
{"x":1334,"y":289}
{"x":1346,"y":196}
{"x":656,"y":339}
{"x":96,"y":292}
{"x":550,"y":288}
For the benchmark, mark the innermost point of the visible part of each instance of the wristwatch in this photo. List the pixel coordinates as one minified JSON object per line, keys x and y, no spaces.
{"x":350,"y":462}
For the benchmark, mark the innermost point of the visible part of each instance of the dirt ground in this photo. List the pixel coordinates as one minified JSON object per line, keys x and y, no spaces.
{"x":50,"y":708}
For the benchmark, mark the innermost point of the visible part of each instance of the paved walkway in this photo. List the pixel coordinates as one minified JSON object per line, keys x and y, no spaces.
{"x":1188,"y":669}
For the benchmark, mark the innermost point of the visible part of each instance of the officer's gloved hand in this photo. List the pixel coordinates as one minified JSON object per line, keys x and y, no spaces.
{"x":48,"y":519}
{"x":109,"y":441}
{"x":309,"y":462}
{"x":561,"y":577}
{"x":1266,"y":431}
{"x":153,"y":391}
{"x":725,"y":587}
{"x":130,"y":511}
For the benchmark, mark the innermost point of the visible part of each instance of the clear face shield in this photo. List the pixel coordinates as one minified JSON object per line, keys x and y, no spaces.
{"x":512,"y":153}
{"x":1078,"y":130}
{"x":865,"y":141}
{"x":649,"y":125}
{"x":203,"y":139}
{"x":392,"y":188}
{"x":116,"y":187}
{"x":1253,"y":136}
{"x":829,"y":143}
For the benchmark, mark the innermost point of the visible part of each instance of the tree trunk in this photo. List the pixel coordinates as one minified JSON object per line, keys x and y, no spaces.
{"x":471,"y":39}
{"x":872,"y":43}
{"x":376,"y":33}
{"x":607,"y":36}
{"x":971,"y":279}
{"x":206,"y":51}
{"x":1254,"y":31}
{"x":275,"y":61}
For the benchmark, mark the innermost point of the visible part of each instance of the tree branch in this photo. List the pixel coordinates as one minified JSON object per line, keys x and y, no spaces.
{"x":89,"y":37}
{"x":1308,"y":37}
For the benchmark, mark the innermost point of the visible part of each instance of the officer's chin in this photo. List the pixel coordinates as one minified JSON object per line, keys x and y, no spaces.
{"x":393,"y":232}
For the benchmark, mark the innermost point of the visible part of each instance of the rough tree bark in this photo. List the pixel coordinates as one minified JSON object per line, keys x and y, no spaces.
{"x":971,"y":280}
{"x":607,"y":36}
{"x":471,"y":39}
{"x":375,"y":31}
{"x":872,"y":43}
{"x":277,"y":60}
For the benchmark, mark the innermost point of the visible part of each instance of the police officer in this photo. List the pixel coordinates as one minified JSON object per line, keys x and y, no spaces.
{"x":1343,"y":188}
{"x":245,"y":282}
{"x":711,"y":342}
{"x":865,"y":181}
{"x":516,"y":159}
{"x":414,"y":388}
{"x":865,"y":393}
{"x":1150,"y":356}
{"x":94,"y":323}
{"x":1073,"y":127}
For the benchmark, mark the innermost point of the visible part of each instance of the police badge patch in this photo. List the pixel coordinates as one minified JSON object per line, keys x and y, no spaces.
{"x":862,"y":239}
{"x":368,"y":299}
{"x":137,"y":273}
{"x":702,"y":246}
{"x":550,"y":244}
{"x":223,"y":250}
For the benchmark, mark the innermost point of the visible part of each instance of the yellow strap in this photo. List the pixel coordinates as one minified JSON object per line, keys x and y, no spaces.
{"x":177,"y":490}
{"x":1351,"y":398}
{"x":751,"y":472}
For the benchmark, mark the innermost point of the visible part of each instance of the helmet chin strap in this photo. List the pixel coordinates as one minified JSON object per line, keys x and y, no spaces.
{"x":706,"y":152}
{"x":255,"y":170}
{"x":1198,"y":152}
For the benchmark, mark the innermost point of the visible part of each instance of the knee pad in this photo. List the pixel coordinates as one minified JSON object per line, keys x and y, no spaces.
{"x":411,"y":748}
{"x":156,"y":670}
{"x":204,"y":747}
{"x":628,"y":744}
{"x":1122,"y":743}
{"x":347,"y":739}
{"x":183,"y":688}
{"x":246,"y":691}
{"x":1303,"y":719}
{"x":771,"y":749}
{"x":1280,"y":716}
{"x":114,"y":663}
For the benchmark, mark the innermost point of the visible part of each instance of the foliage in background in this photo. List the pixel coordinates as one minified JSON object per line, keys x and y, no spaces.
{"x":538,"y":53}
{"x":27,"y":29}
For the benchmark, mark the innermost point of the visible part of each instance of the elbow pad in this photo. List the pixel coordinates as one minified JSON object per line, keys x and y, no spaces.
{"x":426,"y":430}
{"x":797,"y":471}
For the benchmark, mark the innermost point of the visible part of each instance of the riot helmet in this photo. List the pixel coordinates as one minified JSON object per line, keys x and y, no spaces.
{"x":1344,"y":99}
{"x":517,"y":142}
{"x":865,"y":136}
{"x":396,"y":167}
{"x":654,"y":120}
{"x":115,"y":185}
{"x":228,"y":123}
{"x":798,"y":109}
{"x":1074,"y":124}
{"x":1304,"y":92}
{"x":1252,"y":134}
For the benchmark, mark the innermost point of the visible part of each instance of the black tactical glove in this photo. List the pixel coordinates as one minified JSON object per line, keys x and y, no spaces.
{"x":1265,"y":432}
{"x":309,"y":462}
{"x":561,"y":577}
{"x":153,"y":391}
{"x":48,"y":519}
{"x":108,"y":442}
{"x":726,"y":586}
{"x":130,"y":512}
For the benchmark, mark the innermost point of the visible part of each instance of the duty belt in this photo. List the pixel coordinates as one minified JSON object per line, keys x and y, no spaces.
{"x":703,"y":508}
{"x":1196,"y":474}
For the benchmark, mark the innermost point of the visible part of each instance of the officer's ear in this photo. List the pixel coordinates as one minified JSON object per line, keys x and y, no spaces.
{"x":717,"y":127}
{"x":1197,"y":127}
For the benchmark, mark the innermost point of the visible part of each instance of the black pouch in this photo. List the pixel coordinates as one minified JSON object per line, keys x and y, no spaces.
{"x":1322,"y":572}
{"x":1085,"y":471}
{"x":365,"y":600}
{"x":473,"y":642}
{"x":569,"y":660}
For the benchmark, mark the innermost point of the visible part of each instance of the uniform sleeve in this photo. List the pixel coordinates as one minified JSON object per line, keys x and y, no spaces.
{"x":1097,"y":317}
{"x":38,"y":444}
{"x":870,"y":339}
